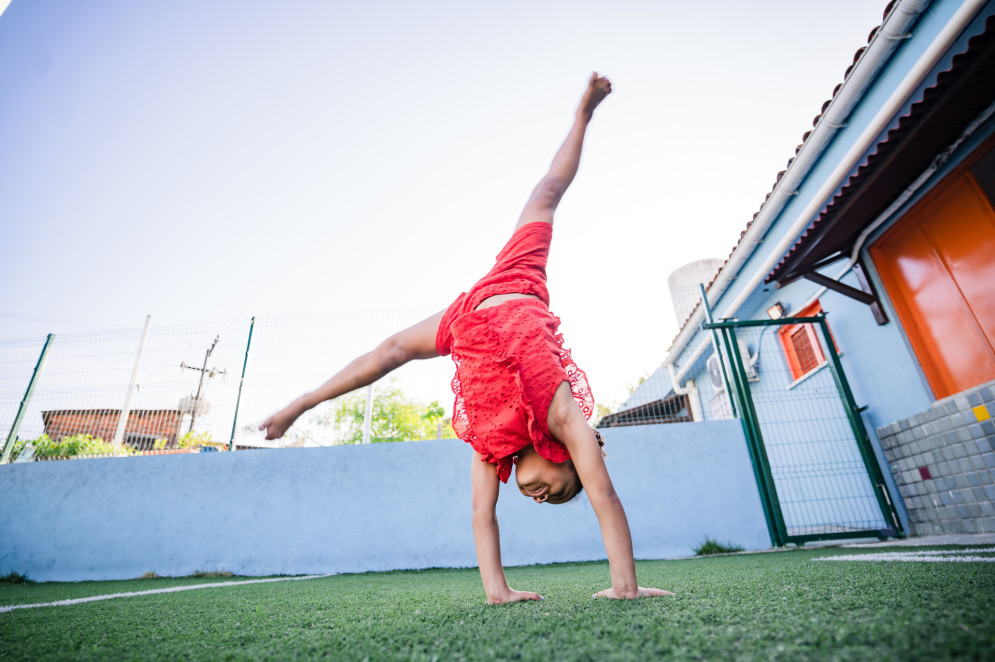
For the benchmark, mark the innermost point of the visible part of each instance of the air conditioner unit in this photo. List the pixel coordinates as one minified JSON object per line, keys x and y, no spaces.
{"x":715,"y":372}
{"x":749,"y":365}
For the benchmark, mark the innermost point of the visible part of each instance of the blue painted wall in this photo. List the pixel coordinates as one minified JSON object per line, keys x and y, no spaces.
{"x":358,"y":508}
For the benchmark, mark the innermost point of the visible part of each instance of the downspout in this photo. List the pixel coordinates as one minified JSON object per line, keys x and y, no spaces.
{"x":689,"y":389}
{"x":878,"y":52}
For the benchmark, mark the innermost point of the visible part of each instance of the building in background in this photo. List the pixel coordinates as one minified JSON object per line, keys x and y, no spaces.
{"x":884,"y":221}
{"x":653,"y":400}
{"x":685,"y":285}
{"x":143,"y":429}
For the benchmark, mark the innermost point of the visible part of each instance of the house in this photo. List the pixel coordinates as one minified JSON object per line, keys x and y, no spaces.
{"x":143,"y":428}
{"x":884,"y":224}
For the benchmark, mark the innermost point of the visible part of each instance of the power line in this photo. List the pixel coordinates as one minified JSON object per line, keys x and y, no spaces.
{"x":43,"y":318}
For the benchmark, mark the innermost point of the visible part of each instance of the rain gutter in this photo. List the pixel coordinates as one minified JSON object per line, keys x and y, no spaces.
{"x":905,"y":196}
{"x":894,"y":29}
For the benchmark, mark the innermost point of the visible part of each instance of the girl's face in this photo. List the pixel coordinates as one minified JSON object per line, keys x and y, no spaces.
{"x":544,"y":481}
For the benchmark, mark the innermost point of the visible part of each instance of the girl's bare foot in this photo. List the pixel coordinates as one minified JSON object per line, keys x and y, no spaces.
{"x":598,"y":87}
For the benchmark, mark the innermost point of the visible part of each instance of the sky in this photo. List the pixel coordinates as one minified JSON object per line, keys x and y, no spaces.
{"x":199,"y":161}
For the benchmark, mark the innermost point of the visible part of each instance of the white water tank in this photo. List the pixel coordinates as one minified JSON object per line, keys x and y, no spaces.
{"x":684,"y":283}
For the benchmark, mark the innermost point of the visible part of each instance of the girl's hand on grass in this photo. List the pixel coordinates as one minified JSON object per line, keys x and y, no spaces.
{"x":512,"y":596}
{"x":640,"y":593}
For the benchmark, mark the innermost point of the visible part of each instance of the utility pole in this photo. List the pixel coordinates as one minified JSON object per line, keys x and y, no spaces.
{"x":200,"y":384}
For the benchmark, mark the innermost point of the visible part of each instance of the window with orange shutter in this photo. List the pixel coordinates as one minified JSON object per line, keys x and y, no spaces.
{"x":800,"y":342}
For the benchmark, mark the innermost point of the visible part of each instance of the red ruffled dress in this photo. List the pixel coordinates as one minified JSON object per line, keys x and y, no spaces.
{"x":509,"y":358}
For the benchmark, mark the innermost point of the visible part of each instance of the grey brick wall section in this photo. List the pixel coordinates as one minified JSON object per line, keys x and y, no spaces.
{"x":955,"y":444}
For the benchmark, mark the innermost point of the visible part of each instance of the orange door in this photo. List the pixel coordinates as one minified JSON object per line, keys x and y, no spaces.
{"x":938,"y":266}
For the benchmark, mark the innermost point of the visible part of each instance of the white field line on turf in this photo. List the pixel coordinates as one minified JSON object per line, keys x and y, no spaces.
{"x":942,"y":552}
{"x":174,"y":589}
{"x":929,"y":556}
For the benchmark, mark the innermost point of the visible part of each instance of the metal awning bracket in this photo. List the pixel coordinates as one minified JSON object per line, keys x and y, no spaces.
{"x":866,"y":294}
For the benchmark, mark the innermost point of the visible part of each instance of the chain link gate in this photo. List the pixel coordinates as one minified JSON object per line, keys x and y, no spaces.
{"x":815,"y":469}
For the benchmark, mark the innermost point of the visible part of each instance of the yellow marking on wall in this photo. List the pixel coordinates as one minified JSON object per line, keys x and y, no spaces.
{"x":981,"y":413}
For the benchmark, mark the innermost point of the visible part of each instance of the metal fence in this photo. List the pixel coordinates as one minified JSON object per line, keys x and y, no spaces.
{"x":172,"y":387}
{"x":175,"y":388}
{"x":652,"y":400}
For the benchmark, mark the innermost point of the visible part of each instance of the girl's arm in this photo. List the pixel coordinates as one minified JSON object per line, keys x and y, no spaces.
{"x":570,"y":427}
{"x":486,"y":537}
{"x":415,"y":342}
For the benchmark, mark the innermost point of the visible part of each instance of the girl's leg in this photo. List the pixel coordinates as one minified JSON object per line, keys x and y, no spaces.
{"x":414,"y":342}
{"x":547,"y":193}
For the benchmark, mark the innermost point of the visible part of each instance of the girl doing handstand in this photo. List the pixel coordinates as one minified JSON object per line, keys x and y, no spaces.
{"x":520,"y":400}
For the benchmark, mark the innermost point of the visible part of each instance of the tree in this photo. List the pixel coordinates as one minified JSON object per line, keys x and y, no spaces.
{"x":396,"y":417}
{"x":608,"y":407}
{"x":602,"y":409}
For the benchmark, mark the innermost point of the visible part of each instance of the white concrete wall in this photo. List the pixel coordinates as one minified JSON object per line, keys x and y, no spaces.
{"x":358,"y":508}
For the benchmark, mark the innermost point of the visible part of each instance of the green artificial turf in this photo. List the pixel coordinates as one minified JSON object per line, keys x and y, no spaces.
{"x":781,"y":605}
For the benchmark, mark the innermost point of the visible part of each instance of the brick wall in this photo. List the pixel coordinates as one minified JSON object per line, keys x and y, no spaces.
{"x":143,"y":424}
{"x":943,"y":460}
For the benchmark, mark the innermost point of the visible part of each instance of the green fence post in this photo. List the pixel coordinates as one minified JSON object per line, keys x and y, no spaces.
{"x":885,"y":502}
{"x":241,"y":382}
{"x":715,"y":346}
{"x":8,"y":446}
{"x":749,"y":413}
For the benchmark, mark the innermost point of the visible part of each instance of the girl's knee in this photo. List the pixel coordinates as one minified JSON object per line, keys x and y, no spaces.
{"x":548,"y":192}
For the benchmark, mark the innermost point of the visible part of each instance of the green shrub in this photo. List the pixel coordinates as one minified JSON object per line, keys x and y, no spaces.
{"x":86,"y":444}
{"x":78,"y":444}
{"x":211,"y":574}
{"x":14,"y":578}
{"x":710,"y":546}
{"x":199,"y":440}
